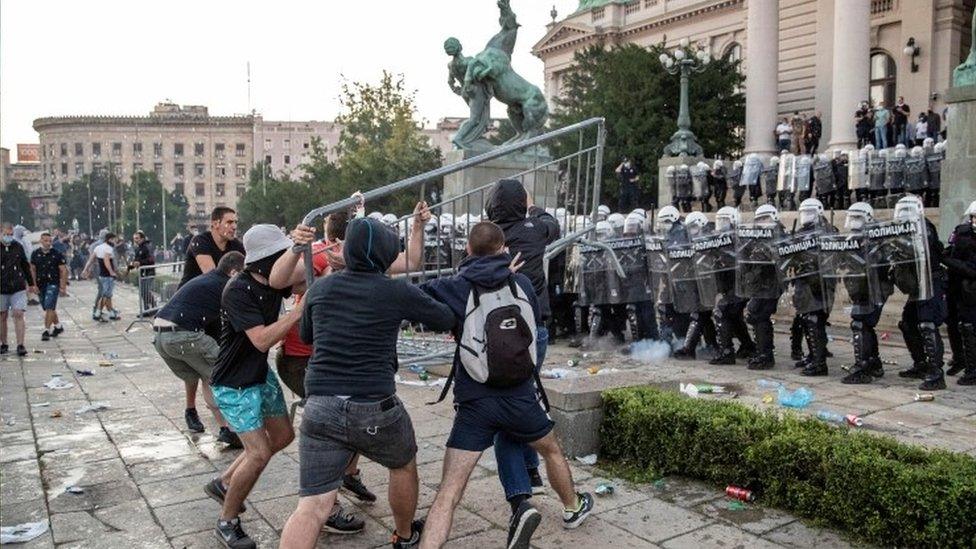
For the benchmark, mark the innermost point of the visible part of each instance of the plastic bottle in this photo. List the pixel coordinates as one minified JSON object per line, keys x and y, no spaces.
{"x":768,"y":384}
{"x":831,"y":417}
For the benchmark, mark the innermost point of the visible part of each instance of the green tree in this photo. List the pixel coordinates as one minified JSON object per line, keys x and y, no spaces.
{"x":146,"y":195}
{"x":282,"y":201}
{"x":16,"y":206}
{"x":639,"y":99}
{"x":85,"y":199}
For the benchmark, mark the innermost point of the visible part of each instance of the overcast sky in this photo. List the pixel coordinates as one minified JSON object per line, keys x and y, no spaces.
{"x":63,"y":57}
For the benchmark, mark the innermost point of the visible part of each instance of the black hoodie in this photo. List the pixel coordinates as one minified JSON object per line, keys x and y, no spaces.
{"x":526,"y":232}
{"x":353,"y":317}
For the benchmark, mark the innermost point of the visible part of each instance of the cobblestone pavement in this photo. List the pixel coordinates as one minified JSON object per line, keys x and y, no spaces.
{"x":143,"y":474}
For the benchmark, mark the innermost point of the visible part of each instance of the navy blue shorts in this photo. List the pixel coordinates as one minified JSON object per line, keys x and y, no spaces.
{"x":476,"y":422}
{"x":49,"y":296}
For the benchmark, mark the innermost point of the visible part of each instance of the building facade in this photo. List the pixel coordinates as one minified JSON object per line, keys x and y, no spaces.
{"x":803,"y":55}
{"x":26,"y":174}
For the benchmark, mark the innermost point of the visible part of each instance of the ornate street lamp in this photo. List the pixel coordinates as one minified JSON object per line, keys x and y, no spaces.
{"x":684,"y":61}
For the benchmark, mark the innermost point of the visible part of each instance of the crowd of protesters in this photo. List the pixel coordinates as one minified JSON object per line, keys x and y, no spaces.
{"x":884,"y":126}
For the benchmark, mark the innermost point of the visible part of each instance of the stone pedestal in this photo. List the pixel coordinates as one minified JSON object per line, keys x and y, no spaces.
{"x":541,"y":183}
{"x":959,"y":167}
{"x":663,"y":189}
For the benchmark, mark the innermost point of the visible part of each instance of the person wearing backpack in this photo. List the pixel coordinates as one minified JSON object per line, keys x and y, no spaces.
{"x":496,"y":389}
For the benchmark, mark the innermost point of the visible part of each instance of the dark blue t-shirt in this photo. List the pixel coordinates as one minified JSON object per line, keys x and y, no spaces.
{"x":196,"y":306}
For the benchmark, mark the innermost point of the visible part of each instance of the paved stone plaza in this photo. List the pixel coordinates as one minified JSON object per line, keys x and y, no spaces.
{"x":143,"y":474}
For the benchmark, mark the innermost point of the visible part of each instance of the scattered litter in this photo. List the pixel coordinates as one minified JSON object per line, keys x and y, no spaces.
{"x":557,"y":373}
{"x":56,"y":414}
{"x":833,"y":417}
{"x":105,"y":363}
{"x":38,"y":351}
{"x":587,"y":459}
{"x":416,"y":368}
{"x":846,"y":367}
{"x":692,"y":389}
{"x":57,"y":384}
{"x":768,"y":398}
{"x":85,"y":373}
{"x":22,"y":533}
{"x":768,"y":384}
{"x":736,"y":505}
{"x":572,"y":363}
{"x":659,"y":484}
{"x":423,"y":376}
{"x":10,"y":421}
{"x":741,"y":494}
{"x":439,"y":382}
{"x":593,"y":370}
{"x":75,"y":490}
{"x":885,"y":336}
{"x":800,"y":398}
{"x":924,"y":397}
{"x":889,"y":361}
{"x":41,"y":405}
{"x":93,"y":407}
{"x":110,"y":355}
{"x":605,"y":489}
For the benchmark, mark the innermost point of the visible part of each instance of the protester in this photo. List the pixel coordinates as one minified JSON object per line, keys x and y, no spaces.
{"x":484,"y":411}
{"x":921,"y":129}
{"x":900,"y":115}
{"x":50,"y":273}
{"x":205,"y":250}
{"x":245,"y":390}
{"x":863,"y":125}
{"x":144,"y":257}
{"x":354,"y":317}
{"x":105,"y":263}
{"x":528,"y":230}
{"x":14,"y":283}
{"x":799,"y":133}
{"x":814,"y":131}
{"x":187,"y":330}
{"x":784,"y":133}
{"x":882,"y":119}
{"x":935,"y":124}
{"x":91,"y":268}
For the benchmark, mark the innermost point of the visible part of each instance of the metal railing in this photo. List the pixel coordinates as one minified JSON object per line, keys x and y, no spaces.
{"x":157,"y":284}
{"x":566,"y":183}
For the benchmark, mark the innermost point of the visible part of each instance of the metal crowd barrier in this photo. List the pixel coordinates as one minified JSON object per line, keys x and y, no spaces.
{"x":156,"y":284}
{"x":561,"y":171}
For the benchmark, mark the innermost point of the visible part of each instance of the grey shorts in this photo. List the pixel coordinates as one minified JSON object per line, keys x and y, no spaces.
{"x":190,"y":355}
{"x":333,"y":430}
{"x":16,"y":301}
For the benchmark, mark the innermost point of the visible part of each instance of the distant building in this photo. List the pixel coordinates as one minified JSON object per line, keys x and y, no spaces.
{"x":27,"y":176}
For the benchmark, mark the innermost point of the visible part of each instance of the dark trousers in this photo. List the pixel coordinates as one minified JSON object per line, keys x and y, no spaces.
{"x":629,"y":197}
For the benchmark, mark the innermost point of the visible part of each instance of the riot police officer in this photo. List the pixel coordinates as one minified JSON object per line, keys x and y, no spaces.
{"x":717,"y":180}
{"x":718,"y":263}
{"x":756,"y":279}
{"x":700,"y":324}
{"x":842,"y":196}
{"x":960,"y":259}
{"x":769,"y":180}
{"x":669,"y":226}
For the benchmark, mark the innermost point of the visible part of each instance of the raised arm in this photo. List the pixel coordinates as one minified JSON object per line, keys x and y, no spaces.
{"x":412,"y":258}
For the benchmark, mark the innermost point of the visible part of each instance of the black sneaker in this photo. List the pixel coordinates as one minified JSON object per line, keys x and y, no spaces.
{"x":343,"y":523}
{"x":4,"y":349}
{"x":215,"y":489}
{"x":915,"y":372}
{"x":96,"y":315}
{"x":45,"y":336}
{"x":933,"y":384}
{"x":233,"y":536}
{"x":574,"y":517}
{"x":416,"y":529}
{"x":21,"y":350}
{"x":57,"y":331}
{"x":229,"y":438}
{"x":114,"y":315}
{"x":524,"y":521}
{"x":354,"y":484}
{"x":538,"y":487}
{"x":193,"y":422}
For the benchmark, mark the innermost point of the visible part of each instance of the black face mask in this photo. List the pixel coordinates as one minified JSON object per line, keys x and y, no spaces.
{"x":263,"y":266}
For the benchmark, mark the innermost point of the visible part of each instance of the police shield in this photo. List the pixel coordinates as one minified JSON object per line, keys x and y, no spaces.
{"x":857,"y":171}
{"x":770,"y":176}
{"x":682,"y":182}
{"x":799,"y":271}
{"x":801,"y":173}
{"x":843,"y":264}
{"x":657,"y":266}
{"x":756,"y":261}
{"x":699,"y":181}
{"x":895,"y":171}
{"x":599,"y":280}
{"x":914,"y":173}
{"x":933,"y":165}
{"x":876,"y":171}
{"x":823,"y":176}
{"x":901,"y":249}
{"x":734,"y":177}
{"x":751,"y":169}
{"x":714,"y":267}
{"x":670,"y":178}
{"x":684,"y":282}
{"x":632,"y":257}
{"x":785,"y":181}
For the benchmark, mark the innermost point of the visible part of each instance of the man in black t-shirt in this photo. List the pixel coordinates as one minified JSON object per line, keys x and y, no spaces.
{"x":900,"y":114}
{"x":206,"y":249}
{"x":244,"y":388}
{"x":50,"y":272}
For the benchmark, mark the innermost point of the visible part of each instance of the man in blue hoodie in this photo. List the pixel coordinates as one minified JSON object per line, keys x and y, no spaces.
{"x":354,"y":317}
{"x":484,"y":412}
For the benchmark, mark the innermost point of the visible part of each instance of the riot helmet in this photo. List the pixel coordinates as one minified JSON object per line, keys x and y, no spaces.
{"x":869,"y":147}
{"x":773,"y":161}
{"x":639,"y":211}
{"x":602,"y":211}
{"x":928,"y":142}
{"x":737,"y":165}
{"x":810,"y":211}
{"x":858,"y":215}
{"x":604,"y":230}
{"x":666,"y":218}
{"x":670,"y":170}
{"x":900,"y":146}
{"x":767,"y":213}
{"x":909,"y":208}
{"x":917,"y":152}
{"x":633,"y":224}
{"x":940,"y":146}
{"x":726,"y":219}
{"x":375,"y":215}
{"x":971,"y":214}
{"x":695,"y":222}
{"x":901,"y":153}
{"x":822,"y":158}
{"x":389,"y":219}
{"x":616,"y":221}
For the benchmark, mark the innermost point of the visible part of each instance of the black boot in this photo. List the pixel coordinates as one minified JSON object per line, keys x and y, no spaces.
{"x":816,"y":335}
{"x":763,"y":359}
{"x":796,"y":339}
{"x":967,"y":333}
{"x":709,"y":331}
{"x":741,"y":332}
{"x":957,"y":363}
{"x":934,"y":379}
{"x":596,"y":321}
{"x":726,"y":349}
{"x":692,"y":337}
{"x":632,"y":324}
{"x":860,"y":373}
{"x":913,"y":340}
{"x":873,"y":355}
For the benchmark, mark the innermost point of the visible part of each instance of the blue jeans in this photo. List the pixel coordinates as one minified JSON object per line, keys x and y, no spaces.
{"x":515,"y":458}
{"x":881,"y":137}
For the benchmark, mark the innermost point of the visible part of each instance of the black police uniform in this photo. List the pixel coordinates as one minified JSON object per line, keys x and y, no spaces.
{"x":920,"y":320}
{"x":960,"y":260}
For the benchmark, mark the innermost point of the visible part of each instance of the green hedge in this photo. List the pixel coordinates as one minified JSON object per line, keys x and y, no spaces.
{"x":873,"y":487}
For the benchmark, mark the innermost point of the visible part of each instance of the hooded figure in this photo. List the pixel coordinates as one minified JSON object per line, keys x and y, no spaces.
{"x":528,"y":230}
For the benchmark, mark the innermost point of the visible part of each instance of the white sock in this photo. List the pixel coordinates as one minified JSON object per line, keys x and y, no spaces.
{"x":58,"y":325}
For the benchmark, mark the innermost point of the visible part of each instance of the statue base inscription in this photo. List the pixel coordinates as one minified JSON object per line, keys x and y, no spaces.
{"x":542,"y":183}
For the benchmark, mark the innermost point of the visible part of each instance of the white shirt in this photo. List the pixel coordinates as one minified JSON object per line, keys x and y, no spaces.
{"x":104,"y":250}
{"x":783,"y":130}
{"x":921,"y":130}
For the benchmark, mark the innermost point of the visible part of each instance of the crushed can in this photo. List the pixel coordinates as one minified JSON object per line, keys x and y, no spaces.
{"x":741,"y":494}
{"x":572,"y":363}
{"x":853,"y":420}
{"x":924,"y":397}
{"x":604,"y":489}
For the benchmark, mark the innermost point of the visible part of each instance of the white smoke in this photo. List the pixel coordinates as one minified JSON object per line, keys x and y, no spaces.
{"x":650,"y":351}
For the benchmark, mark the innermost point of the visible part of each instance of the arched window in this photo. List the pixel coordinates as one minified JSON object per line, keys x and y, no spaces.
{"x":733,"y":52}
{"x":883,"y":78}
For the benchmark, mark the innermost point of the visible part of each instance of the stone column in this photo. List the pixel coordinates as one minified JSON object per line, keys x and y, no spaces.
{"x":851,"y":70}
{"x":959,"y":166}
{"x":762,"y":75}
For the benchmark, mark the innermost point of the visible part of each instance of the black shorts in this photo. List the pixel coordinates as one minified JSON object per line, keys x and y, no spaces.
{"x":477,"y":422}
